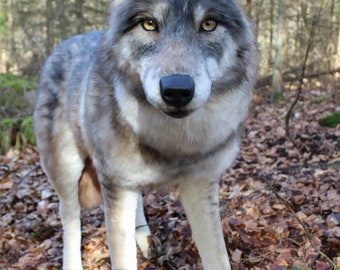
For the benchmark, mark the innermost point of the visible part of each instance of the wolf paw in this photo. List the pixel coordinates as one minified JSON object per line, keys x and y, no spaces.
{"x":142,"y":237}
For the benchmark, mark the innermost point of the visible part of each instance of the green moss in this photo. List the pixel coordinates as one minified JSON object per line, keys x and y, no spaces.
{"x":277,"y":97}
{"x":331,"y":120}
{"x":27,"y":131}
{"x":12,"y":89}
{"x":16,"y":132}
{"x":17,"y":83}
{"x":317,"y":100}
{"x":3,"y":19}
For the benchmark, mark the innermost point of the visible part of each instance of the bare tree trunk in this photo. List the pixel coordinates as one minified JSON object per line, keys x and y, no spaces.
{"x":14,"y":55}
{"x":337,"y":57}
{"x":335,"y":35}
{"x":4,"y":29}
{"x":271,"y":33}
{"x":80,"y":17}
{"x":248,"y":6}
{"x":276,"y":88}
{"x":49,"y":27}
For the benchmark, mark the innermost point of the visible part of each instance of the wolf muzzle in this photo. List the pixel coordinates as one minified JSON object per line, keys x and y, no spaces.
{"x":177,"y":90}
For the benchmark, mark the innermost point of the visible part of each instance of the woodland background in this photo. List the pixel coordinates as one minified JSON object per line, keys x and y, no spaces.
{"x":298,"y":38}
{"x":30,"y":29}
{"x":280,"y":202}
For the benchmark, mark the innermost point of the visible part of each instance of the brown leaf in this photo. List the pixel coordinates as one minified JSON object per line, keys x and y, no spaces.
{"x":6,"y":183}
{"x":236,"y":255}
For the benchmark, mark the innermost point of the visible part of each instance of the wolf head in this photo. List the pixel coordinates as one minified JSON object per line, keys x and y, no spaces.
{"x":178,"y":55}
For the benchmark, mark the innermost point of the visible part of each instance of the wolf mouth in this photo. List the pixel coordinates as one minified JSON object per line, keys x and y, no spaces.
{"x":178,"y":114}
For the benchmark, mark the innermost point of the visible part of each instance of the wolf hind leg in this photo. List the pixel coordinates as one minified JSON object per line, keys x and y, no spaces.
{"x":63,"y":165}
{"x":200,"y":202}
{"x":70,"y":217}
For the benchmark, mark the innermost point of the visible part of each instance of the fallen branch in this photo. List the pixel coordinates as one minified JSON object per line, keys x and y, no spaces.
{"x":291,"y":76}
{"x":27,"y":174}
{"x":304,"y":227}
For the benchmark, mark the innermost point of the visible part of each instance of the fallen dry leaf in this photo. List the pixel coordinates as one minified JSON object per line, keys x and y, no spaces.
{"x":261,"y":232}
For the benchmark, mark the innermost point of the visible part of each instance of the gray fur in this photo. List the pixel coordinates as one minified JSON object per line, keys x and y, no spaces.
{"x":99,"y":100}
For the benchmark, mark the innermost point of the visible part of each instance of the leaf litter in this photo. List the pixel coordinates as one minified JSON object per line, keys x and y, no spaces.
{"x":280,"y":206}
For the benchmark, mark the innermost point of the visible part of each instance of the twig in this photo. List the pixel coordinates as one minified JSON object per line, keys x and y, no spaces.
{"x":27,"y":174}
{"x":304,"y":227}
{"x":292,"y":75}
{"x":303,"y":73}
{"x":35,"y":42}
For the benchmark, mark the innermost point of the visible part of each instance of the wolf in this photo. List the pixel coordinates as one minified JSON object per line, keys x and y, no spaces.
{"x":157,"y":100}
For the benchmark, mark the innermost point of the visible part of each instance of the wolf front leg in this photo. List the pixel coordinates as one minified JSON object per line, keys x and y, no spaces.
{"x":200,"y":201}
{"x":120,"y":206}
{"x":142,"y":229}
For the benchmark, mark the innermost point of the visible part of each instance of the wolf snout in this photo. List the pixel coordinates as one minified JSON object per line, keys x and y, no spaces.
{"x":177,"y":90}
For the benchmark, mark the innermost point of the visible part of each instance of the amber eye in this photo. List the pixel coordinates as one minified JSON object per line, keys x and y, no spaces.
{"x":149,"y":24}
{"x":209,"y":25}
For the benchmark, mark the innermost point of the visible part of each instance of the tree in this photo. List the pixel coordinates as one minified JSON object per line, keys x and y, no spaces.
{"x":30,"y":29}
{"x":276,"y":88}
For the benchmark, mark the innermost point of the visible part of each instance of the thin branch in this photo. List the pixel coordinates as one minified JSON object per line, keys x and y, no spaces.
{"x":27,"y":174}
{"x":315,"y":22}
{"x":304,"y":227}
{"x":292,"y":75}
{"x":35,"y":42}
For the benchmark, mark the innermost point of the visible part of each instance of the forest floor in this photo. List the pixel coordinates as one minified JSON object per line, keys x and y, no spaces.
{"x":280,"y":205}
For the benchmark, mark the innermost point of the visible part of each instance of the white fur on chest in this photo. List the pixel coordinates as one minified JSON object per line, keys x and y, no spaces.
{"x":198,"y":133}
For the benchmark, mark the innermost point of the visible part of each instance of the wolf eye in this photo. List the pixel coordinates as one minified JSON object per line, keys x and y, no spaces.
{"x":208,"y":25}
{"x":149,"y":24}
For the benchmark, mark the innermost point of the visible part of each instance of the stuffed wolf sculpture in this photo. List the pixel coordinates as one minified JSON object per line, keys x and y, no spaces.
{"x":158,"y":99}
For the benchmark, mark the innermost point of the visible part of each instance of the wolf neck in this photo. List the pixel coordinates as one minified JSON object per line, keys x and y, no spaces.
{"x":199,"y":133}
{"x":189,"y":136}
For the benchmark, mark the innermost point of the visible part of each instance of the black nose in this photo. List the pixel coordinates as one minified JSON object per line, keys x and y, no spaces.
{"x":177,"y":90}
